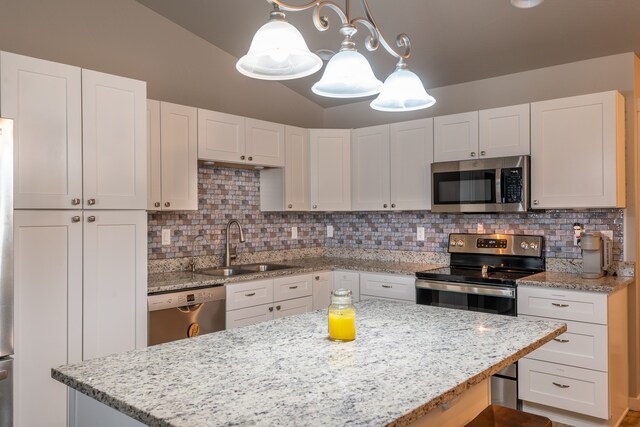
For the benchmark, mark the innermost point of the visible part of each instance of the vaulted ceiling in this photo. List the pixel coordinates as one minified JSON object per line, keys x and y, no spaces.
{"x":453,"y":41}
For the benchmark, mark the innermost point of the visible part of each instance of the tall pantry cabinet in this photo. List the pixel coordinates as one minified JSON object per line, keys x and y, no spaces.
{"x":80,"y":225}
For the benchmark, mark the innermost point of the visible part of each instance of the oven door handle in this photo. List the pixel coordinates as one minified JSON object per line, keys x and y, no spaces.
{"x":466,"y":288}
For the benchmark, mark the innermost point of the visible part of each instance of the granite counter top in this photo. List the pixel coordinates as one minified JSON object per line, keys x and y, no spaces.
{"x":405,"y":361}
{"x":548,"y":279}
{"x":182,"y":280}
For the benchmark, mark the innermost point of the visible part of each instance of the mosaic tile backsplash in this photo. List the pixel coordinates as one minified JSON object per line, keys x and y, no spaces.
{"x":226,"y":194}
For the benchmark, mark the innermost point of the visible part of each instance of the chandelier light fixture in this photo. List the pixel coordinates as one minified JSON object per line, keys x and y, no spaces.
{"x":279,"y":52}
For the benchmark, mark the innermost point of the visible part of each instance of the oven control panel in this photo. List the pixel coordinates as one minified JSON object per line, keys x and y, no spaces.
{"x":496,"y":244}
{"x":185,"y":298}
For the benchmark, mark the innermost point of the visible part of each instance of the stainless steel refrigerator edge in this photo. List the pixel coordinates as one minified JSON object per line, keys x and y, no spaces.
{"x":6,"y":272}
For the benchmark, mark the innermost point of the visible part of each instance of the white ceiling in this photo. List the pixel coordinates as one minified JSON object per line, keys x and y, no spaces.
{"x":453,"y":41}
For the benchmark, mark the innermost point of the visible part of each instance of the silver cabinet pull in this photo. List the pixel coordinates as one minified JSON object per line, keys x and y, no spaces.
{"x":241,"y":157}
{"x":387,"y":286}
{"x":384,"y":206}
{"x":250,"y":158}
{"x":270,"y":308}
{"x":473,"y":154}
{"x":75,"y":218}
{"x":561,"y":340}
{"x":75,"y":201}
{"x":560,"y":385}
{"x":290,"y":206}
{"x":278,"y":307}
{"x":293,"y":287}
{"x":4,"y":375}
{"x":91,"y":202}
{"x":536,"y":203}
{"x":559,"y":305}
{"x":91,"y":219}
{"x":250,"y":295}
{"x":393,"y":205}
{"x":156,"y":204}
{"x":483,"y":153}
{"x":315,"y":206}
{"x":167,"y":204}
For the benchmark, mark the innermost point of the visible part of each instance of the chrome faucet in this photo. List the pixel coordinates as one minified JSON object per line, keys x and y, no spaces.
{"x":228,"y":253}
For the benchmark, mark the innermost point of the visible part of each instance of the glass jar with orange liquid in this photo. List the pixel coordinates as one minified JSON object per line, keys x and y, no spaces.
{"x":342,"y":316}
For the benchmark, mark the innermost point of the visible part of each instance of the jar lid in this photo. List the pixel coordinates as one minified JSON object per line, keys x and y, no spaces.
{"x":341,"y":292}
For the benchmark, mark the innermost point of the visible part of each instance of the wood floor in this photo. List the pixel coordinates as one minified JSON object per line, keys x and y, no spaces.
{"x":631,"y":420}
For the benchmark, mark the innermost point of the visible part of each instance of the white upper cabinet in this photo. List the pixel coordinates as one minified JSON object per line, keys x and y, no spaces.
{"x":370,"y":180}
{"x":296,"y":169}
{"x":504,"y":131}
{"x":411,"y":155}
{"x":233,"y":139}
{"x":577,"y":152}
{"x":114,"y":135}
{"x":455,"y":137}
{"x":173,"y":156}
{"x":44,"y":100}
{"x":330,"y":169}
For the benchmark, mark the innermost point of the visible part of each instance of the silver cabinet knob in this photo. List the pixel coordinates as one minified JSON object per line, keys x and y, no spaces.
{"x":250,"y":158}
{"x":393,"y":205}
{"x":75,"y":218}
{"x":156,"y":204}
{"x":535,"y":202}
{"x":278,"y":307}
{"x":91,"y":219}
{"x":242,"y":157}
{"x":270,"y":308}
{"x":483,"y":153}
{"x":91,"y":202}
{"x":315,"y":206}
{"x":167,"y":204}
{"x":290,"y":206}
{"x":384,"y":206}
{"x":75,"y":201}
{"x":473,"y":154}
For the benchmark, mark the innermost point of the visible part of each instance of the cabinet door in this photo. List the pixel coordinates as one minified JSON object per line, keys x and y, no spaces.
{"x":577,"y":152}
{"x":179,"y":142}
{"x":249,"y":316}
{"x":292,"y":307}
{"x":115,"y":282}
{"x":504,"y":131}
{"x":154,"y":178}
{"x":114,"y":141}
{"x":48,"y":311}
{"x":330,"y":169}
{"x":411,"y":155}
{"x":44,"y":100}
{"x":221,"y":137}
{"x":370,"y":168}
{"x":296,"y":169}
{"x":322,"y":287}
{"x":264,"y":143}
{"x":455,"y":137}
{"x":348,"y":280}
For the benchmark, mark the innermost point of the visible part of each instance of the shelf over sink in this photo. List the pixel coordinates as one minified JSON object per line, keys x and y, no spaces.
{"x":236,"y":270}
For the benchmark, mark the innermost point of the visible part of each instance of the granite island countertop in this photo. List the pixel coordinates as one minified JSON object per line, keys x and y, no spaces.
{"x":551,"y":279}
{"x":183,"y":280}
{"x":405,"y":361}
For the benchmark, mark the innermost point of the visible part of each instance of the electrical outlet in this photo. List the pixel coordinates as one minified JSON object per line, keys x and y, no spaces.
{"x":578,"y":229}
{"x":166,"y":236}
{"x":294,"y":232}
{"x":480,"y":228}
{"x":420,"y":234}
{"x":329,"y":230}
{"x":608,"y":234}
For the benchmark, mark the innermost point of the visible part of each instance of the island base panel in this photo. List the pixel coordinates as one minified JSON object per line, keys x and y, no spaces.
{"x":460,"y":410}
{"x":85,"y":411}
{"x":570,"y":418}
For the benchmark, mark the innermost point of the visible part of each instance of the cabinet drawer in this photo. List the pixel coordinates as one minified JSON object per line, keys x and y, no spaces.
{"x":247,"y":294}
{"x":584,"y":345}
{"x":574,"y":389}
{"x":292,"y":287}
{"x":563,"y":304}
{"x":386,"y":286}
{"x":248,"y":316}
{"x":293,"y":306}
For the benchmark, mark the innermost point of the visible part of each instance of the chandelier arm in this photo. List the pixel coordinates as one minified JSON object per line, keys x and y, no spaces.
{"x":402,"y":40}
{"x":321,"y":22}
{"x":372,"y":41}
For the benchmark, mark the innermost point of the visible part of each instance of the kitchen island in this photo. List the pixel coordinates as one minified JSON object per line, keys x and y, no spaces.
{"x":406,"y":362}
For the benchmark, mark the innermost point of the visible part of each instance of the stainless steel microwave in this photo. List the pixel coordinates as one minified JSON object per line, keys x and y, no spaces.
{"x":483,"y":185}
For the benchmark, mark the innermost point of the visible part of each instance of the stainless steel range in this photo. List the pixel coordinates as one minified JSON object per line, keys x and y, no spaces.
{"x":482,"y":276}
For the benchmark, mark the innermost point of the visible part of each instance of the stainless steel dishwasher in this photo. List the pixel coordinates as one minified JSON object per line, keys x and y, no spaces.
{"x":177,"y":315}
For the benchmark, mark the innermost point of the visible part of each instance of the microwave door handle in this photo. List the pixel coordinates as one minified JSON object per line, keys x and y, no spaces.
{"x":499,"y":185}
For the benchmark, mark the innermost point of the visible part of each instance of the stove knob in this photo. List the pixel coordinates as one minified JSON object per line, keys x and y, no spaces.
{"x":461,"y":243}
{"x":533,"y":245}
{"x":524,"y":245}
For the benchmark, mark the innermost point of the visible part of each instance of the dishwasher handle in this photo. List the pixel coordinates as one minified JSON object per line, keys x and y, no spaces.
{"x":190,"y":297}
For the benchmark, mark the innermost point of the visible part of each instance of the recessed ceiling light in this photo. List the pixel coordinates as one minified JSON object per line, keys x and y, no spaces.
{"x":525,"y":4}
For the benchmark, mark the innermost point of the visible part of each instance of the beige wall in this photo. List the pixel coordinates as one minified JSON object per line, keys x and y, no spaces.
{"x":125,"y":38}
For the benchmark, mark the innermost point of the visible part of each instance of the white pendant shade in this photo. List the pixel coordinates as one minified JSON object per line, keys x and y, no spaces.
{"x":348,"y":75}
{"x":526,"y":4}
{"x":402,"y":91}
{"x":278,"y":52}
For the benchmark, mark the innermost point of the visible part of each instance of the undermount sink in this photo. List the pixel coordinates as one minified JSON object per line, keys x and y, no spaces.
{"x":242,"y":269}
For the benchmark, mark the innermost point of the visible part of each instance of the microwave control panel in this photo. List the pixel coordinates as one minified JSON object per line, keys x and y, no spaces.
{"x":512,"y":185}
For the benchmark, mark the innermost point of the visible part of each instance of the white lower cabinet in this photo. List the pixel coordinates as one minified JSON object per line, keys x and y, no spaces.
{"x":580,"y":377}
{"x":260,"y":300}
{"x":53,"y":324}
{"x":348,"y":280}
{"x":322,"y":287}
{"x":388,"y":286}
